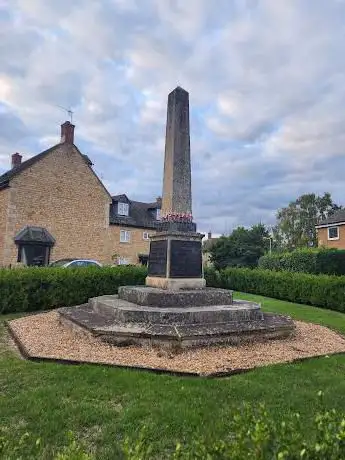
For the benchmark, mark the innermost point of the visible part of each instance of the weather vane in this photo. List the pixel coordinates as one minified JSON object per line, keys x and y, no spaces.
{"x":69,"y":112}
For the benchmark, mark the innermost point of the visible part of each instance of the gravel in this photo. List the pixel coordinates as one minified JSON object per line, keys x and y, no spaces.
{"x":44,"y":336}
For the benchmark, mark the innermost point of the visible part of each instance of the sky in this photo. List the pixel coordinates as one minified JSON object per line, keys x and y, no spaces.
{"x":267,"y":95}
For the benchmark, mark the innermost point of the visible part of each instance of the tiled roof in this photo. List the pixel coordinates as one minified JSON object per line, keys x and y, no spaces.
{"x":338,"y":216}
{"x":7,"y":176}
{"x":34,"y":234}
{"x":140,"y":214}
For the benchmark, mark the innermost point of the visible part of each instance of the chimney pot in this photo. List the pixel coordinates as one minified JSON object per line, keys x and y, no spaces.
{"x":16,"y":160}
{"x":209,"y":235}
{"x":67,"y":133}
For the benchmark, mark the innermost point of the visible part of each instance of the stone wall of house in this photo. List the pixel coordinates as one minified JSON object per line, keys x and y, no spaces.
{"x":322,"y":236}
{"x":128,"y":251}
{"x":60,"y":193}
{"x":4,"y":194}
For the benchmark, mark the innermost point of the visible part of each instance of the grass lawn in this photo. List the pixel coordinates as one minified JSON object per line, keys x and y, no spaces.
{"x":103,"y":405}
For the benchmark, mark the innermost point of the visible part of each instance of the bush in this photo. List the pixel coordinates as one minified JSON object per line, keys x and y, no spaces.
{"x":17,"y":448}
{"x":254,"y":434}
{"x":32,"y":288}
{"x":314,"y":261}
{"x":320,"y":290}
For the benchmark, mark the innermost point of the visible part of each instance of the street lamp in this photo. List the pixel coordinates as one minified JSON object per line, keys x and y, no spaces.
{"x":270,"y":239}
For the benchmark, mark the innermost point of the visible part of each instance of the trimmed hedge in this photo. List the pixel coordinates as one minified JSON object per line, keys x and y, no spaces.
{"x":314,"y":261}
{"x":32,"y":289}
{"x":319,"y":290}
{"x":35,"y":289}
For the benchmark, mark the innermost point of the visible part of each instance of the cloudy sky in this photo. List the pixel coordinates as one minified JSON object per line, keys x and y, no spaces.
{"x":267,"y":91}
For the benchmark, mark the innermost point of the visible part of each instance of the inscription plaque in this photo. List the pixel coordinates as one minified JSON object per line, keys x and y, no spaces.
{"x":185,"y":259}
{"x":158,"y":258}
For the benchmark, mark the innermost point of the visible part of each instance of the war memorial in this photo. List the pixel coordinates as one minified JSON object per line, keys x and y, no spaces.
{"x":175,"y":308}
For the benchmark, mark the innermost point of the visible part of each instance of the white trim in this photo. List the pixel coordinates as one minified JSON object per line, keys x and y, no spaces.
{"x":125,"y":236}
{"x":334,"y":224}
{"x":122,"y":209}
{"x":146,"y":236}
{"x":335,"y":237}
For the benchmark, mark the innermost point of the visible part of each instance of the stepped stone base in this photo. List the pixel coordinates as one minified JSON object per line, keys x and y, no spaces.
{"x":175,"y":319}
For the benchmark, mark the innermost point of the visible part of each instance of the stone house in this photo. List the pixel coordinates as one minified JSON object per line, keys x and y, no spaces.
{"x":331,"y":231}
{"x":53,"y":206}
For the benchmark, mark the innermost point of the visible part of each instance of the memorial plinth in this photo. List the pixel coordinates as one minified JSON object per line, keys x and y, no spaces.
{"x":175,"y":309}
{"x":175,"y":261}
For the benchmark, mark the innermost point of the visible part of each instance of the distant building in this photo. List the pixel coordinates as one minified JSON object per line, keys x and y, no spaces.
{"x":331,"y":231}
{"x":53,"y":206}
{"x":206,"y":247}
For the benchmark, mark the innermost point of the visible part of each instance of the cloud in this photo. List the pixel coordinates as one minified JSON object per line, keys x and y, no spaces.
{"x":266,"y":83}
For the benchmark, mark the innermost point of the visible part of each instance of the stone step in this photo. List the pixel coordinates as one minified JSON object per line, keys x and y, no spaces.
{"x":166,"y":335}
{"x":122,"y":312}
{"x":163,"y":298}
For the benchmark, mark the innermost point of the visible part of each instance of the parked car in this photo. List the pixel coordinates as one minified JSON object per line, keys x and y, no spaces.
{"x":74,"y":263}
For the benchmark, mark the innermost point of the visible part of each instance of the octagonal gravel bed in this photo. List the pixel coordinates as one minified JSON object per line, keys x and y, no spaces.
{"x":43,"y":336}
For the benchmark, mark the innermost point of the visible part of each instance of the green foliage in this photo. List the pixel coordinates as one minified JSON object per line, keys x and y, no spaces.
{"x":242,"y":248}
{"x":17,"y":448}
{"x":296,"y":223}
{"x":254,"y":434}
{"x":315,"y":261}
{"x":324,"y":291}
{"x":33,"y":288}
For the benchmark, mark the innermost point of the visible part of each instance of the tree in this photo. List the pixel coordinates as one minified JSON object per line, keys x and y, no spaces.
{"x":295,"y":226}
{"x":242,"y":248}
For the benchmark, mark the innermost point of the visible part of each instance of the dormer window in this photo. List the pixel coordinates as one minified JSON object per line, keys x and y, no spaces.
{"x":158,"y":214}
{"x":122,"y":209}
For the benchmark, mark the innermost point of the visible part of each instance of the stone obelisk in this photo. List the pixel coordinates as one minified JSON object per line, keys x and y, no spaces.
{"x":177,"y":189}
{"x":175,"y":260}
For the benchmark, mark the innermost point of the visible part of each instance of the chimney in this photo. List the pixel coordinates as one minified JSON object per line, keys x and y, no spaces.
{"x":16,"y":160}
{"x":159,"y":201}
{"x":67,"y":133}
{"x":209,"y":235}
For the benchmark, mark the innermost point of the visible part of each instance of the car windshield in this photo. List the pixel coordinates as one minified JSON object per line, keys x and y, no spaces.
{"x":59,"y":263}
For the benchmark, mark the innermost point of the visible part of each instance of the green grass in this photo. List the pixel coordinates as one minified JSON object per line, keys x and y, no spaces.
{"x":103,"y":405}
{"x":330,"y":318}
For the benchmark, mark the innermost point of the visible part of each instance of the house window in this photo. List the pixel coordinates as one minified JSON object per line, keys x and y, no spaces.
{"x":146,"y":236}
{"x":158,"y":214}
{"x":333,"y":233}
{"x":122,"y":209}
{"x":123,"y":261}
{"x":125,"y":236}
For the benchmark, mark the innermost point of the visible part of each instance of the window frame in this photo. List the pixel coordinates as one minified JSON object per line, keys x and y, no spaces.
{"x":125,"y":239}
{"x":148,"y":236}
{"x":335,"y":237}
{"x":122,"y":209}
